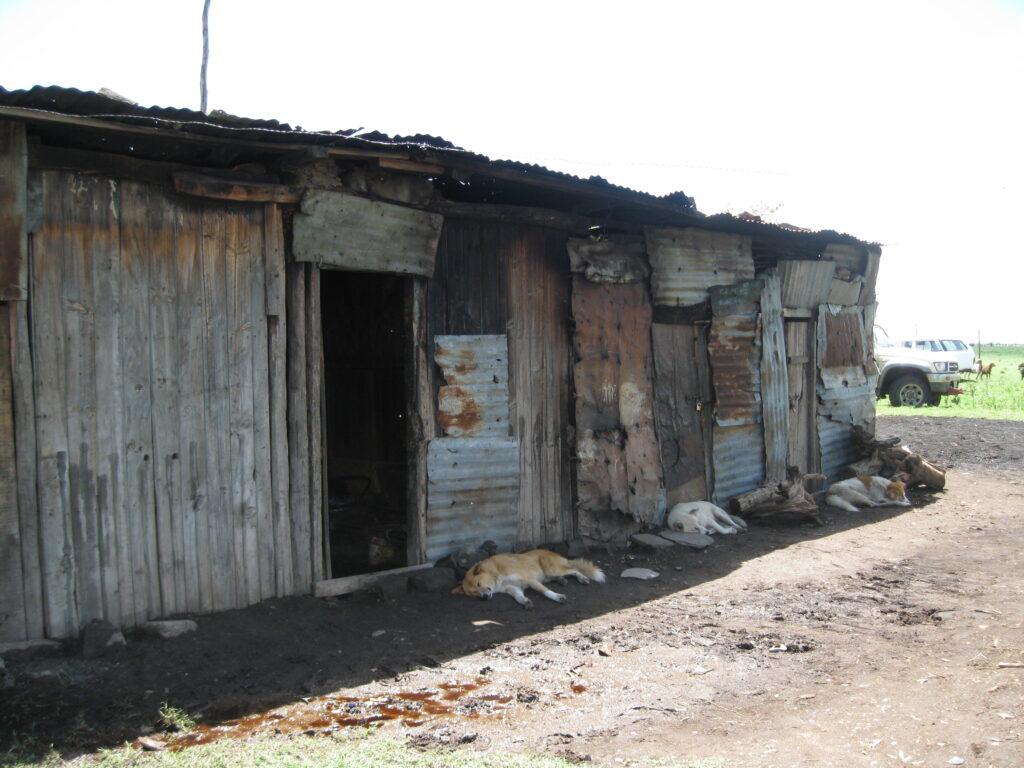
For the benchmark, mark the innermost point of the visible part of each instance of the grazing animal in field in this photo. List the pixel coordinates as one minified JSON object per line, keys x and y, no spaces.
{"x":867,"y":491}
{"x":1021,"y":369}
{"x":702,"y":517}
{"x":986,"y":371}
{"x":511,"y":574}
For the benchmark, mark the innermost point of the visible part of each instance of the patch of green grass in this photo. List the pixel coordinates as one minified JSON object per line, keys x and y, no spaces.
{"x":999,"y":396}
{"x":349,"y":751}
{"x":175,"y":718}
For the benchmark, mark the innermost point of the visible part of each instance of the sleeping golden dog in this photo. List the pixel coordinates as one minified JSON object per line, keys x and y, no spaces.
{"x":511,"y":574}
{"x":866,"y":491}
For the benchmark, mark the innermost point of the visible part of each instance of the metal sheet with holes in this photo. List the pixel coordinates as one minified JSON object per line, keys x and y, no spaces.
{"x":472,"y":493}
{"x":474,"y":401}
{"x":687,"y":262}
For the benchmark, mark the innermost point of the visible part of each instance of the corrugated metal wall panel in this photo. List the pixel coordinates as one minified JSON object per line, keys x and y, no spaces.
{"x":739,"y":461}
{"x":806,"y":284}
{"x":687,"y":262}
{"x":475,"y":402}
{"x":734,"y":349}
{"x":472,"y":493}
{"x":838,"y":447}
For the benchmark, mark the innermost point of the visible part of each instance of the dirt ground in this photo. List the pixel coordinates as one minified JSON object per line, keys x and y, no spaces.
{"x":886,"y":637}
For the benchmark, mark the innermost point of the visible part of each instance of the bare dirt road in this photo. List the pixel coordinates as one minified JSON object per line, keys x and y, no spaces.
{"x":886,"y":637}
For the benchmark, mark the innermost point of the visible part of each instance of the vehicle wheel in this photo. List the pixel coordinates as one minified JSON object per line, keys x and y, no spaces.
{"x":910,"y":390}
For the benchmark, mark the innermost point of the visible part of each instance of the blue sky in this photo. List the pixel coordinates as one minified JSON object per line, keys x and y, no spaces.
{"x":896,"y":121}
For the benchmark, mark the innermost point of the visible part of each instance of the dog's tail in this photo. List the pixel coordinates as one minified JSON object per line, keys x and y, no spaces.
{"x":589,"y":570}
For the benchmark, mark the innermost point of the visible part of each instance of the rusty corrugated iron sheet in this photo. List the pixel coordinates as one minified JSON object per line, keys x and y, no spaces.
{"x":805,"y":284}
{"x":844,"y":343}
{"x":475,"y":401}
{"x":472,"y":493}
{"x":739,"y":460}
{"x":734,"y":349}
{"x":687,"y":262}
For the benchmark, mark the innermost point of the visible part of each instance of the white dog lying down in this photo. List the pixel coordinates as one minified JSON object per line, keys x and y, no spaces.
{"x":866,"y":491}
{"x":702,"y":517}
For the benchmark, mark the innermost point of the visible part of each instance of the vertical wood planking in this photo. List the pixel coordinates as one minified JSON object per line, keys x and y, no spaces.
{"x":421,"y":418}
{"x":218,"y":448}
{"x":273,"y":235}
{"x":48,"y":344}
{"x":774,"y":381}
{"x":107,"y":427}
{"x":13,"y":194}
{"x":298,"y":431}
{"x":192,"y":458}
{"x":165,"y":373}
{"x":243,"y":514}
{"x":25,"y":434}
{"x":261,"y":403}
{"x":539,"y":355}
{"x":319,"y":546}
{"x":12,"y":596}
{"x":138,"y":499}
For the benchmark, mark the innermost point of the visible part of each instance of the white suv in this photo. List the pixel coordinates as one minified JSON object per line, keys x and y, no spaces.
{"x":961,"y":350}
{"x":913,"y":377}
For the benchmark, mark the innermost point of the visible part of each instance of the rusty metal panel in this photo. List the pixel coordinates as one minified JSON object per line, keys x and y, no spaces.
{"x":472,"y":493}
{"x":739,"y":461}
{"x":838,"y":447}
{"x":774,"y":381}
{"x":475,"y":401}
{"x":734,"y":349}
{"x":687,"y":262}
{"x":806,"y":284}
{"x":844,"y":342}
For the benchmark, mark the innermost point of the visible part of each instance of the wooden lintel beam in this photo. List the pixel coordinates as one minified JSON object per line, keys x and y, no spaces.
{"x":414,"y":166}
{"x":197,"y":185}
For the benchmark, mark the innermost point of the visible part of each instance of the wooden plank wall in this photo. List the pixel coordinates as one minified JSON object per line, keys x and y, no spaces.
{"x":157,"y":385}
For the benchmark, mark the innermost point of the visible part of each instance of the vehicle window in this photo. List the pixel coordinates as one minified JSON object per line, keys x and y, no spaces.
{"x":959,"y":345}
{"x":948,"y":345}
{"x":921,"y":344}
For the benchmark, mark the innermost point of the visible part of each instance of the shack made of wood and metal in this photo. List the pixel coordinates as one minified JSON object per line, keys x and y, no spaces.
{"x":240,"y":360}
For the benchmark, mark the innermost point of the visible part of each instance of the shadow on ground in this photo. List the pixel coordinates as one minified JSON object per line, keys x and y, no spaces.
{"x":282,"y":650}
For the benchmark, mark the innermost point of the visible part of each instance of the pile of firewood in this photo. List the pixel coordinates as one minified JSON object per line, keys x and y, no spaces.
{"x":886,"y":458}
{"x":890,"y":459}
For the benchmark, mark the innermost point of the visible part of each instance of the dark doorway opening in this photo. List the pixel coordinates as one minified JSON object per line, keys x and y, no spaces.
{"x":365,"y":347}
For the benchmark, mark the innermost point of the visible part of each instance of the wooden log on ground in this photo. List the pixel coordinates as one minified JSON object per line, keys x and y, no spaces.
{"x":923,"y":472}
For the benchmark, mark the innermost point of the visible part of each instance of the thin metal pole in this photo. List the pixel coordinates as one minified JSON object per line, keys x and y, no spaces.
{"x":206,"y":55}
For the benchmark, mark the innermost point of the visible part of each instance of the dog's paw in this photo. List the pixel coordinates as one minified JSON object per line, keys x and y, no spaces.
{"x":527,"y":603}
{"x":583,"y":579}
{"x":558,"y":597}
{"x":729,"y":529}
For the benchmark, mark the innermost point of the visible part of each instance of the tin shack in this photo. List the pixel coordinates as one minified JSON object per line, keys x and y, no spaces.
{"x":241,"y":360}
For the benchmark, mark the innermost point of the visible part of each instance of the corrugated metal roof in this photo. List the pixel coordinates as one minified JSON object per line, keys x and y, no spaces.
{"x":687,"y":262}
{"x":55,"y":100}
{"x":739,"y":460}
{"x":472,"y":493}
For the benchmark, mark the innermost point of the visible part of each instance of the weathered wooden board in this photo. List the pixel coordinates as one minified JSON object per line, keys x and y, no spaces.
{"x":687,"y":262}
{"x":678,"y":410}
{"x":25,"y":434}
{"x":12,"y":596}
{"x":619,"y":459}
{"x":348,"y":232}
{"x":540,"y":371}
{"x":421,"y":428}
{"x":802,"y":443}
{"x":319,"y":546}
{"x":13,"y":190}
{"x":774,"y":381}
{"x":298,"y":430}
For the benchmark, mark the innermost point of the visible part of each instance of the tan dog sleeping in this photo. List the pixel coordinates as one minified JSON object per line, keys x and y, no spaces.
{"x":511,"y":574}
{"x":866,"y":491}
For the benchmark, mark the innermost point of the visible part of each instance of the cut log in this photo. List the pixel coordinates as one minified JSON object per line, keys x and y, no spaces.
{"x":923,"y":472}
